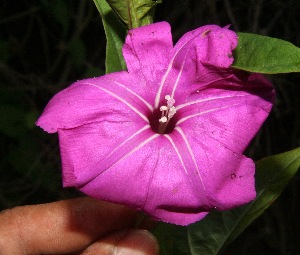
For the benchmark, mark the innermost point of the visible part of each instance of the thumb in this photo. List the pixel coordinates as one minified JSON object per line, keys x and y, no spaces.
{"x":126,"y":242}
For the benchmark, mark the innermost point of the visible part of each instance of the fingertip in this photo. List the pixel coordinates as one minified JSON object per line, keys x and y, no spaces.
{"x":125,"y":242}
{"x":61,"y":227}
{"x":137,"y":242}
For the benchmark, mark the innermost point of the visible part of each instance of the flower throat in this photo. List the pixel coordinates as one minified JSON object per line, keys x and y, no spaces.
{"x":161,"y":120}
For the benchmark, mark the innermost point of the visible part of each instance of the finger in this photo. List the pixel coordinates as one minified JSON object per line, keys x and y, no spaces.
{"x":60,"y":227}
{"x":130,"y":242}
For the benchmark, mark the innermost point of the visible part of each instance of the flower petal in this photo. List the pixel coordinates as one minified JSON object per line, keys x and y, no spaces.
{"x":110,"y":152}
{"x":213,"y":45}
{"x":228,"y":177}
{"x":147,"y":51}
{"x":195,"y":58}
{"x":88,"y":151}
{"x":106,"y":98}
{"x":152,"y":179}
{"x":231,"y":114}
{"x":219,"y":123}
{"x":93,"y":118}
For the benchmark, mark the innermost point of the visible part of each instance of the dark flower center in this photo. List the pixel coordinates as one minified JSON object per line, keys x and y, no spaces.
{"x":161,"y":120}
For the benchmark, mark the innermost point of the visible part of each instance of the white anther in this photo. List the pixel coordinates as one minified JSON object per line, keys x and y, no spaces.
{"x":170,"y":102}
{"x":163,"y":119}
{"x":172,"y":112}
{"x":167,"y":112}
{"x":163,"y":108}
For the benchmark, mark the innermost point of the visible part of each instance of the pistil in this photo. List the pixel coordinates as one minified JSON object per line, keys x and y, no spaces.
{"x":167,"y":112}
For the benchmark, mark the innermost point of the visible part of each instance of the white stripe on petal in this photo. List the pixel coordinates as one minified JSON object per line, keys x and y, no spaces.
{"x":178,"y":78}
{"x":162,"y":83}
{"x":120,"y":99}
{"x":201,"y":113}
{"x":191,"y":153}
{"x":130,"y":138}
{"x":121,"y":153}
{"x":177,"y":152}
{"x":142,"y":144}
{"x":188,"y":162}
{"x":133,"y":93}
{"x":206,"y":100}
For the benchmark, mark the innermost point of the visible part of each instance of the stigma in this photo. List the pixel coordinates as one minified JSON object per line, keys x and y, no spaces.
{"x":167,"y":112}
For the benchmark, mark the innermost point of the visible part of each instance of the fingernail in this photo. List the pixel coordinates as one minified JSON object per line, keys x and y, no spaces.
{"x":137,"y":242}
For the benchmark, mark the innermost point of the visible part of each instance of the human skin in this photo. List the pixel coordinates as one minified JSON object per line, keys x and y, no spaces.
{"x":75,"y":226}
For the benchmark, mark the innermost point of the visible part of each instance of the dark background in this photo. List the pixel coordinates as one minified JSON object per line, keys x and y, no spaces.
{"x":45,"y":45}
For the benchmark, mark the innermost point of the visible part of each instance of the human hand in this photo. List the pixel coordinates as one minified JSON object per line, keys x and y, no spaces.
{"x":75,"y":226}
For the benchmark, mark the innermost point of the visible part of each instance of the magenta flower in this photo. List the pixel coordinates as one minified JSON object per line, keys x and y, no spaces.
{"x":167,"y":136}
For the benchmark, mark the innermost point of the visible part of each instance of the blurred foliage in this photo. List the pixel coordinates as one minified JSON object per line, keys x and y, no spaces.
{"x":47,"y":44}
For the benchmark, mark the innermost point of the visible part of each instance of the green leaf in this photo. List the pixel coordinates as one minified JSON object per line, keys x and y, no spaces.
{"x":262,"y":54}
{"x":210,"y":235}
{"x":134,"y":13}
{"x":115,"y":35}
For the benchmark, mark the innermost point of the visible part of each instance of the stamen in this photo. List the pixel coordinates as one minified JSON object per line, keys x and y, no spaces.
{"x":163,"y":119}
{"x":167,"y":112}
{"x":172,"y":112}
{"x":170,"y":102}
